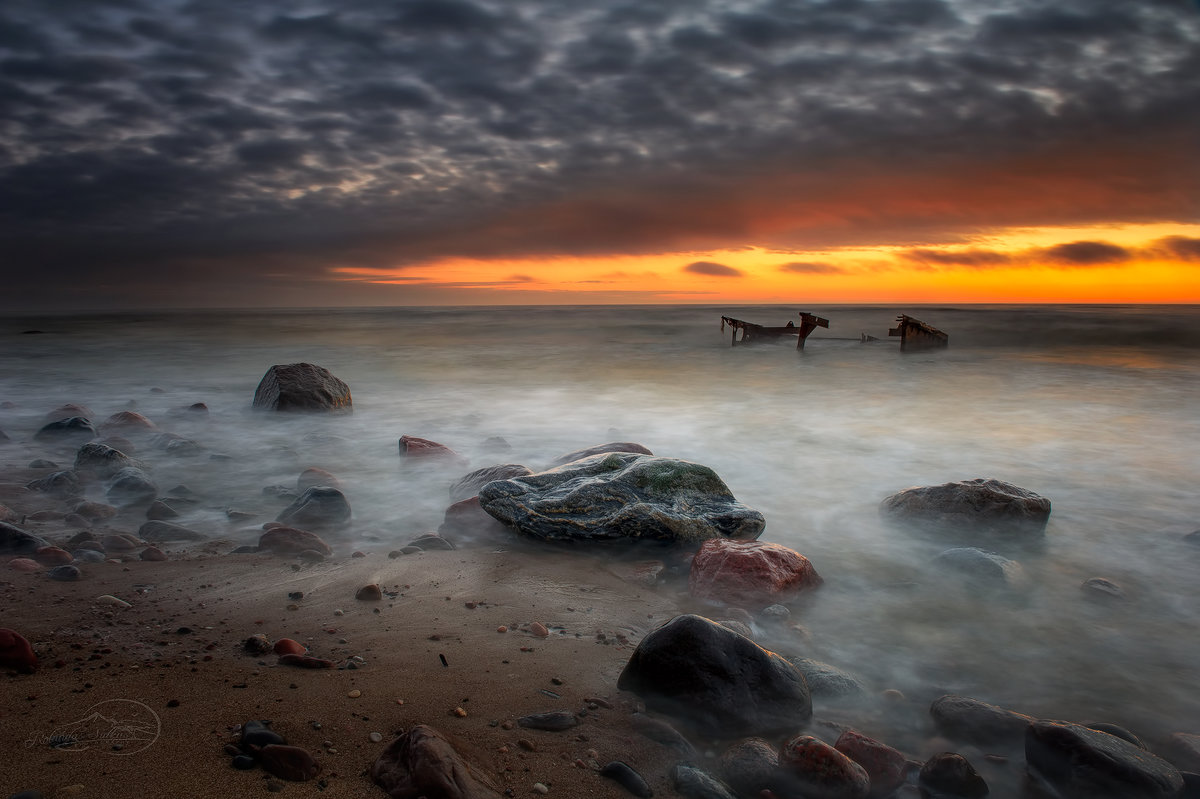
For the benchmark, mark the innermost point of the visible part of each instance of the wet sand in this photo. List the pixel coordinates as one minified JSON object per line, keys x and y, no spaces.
{"x":431,"y":654}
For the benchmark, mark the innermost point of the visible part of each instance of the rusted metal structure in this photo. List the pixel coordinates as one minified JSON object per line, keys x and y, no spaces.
{"x":752,"y":333}
{"x":915,"y":334}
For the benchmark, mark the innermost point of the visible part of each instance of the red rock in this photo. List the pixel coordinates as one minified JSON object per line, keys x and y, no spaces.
{"x":16,"y":653}
{"x":95,"y":510}
{"x":153,"y":554}
{"x":68,"y":410}
{"x":24,"y":565}
{"x":120,"y":543}
{"x":753,"y":573}
{"x":52,"y":556}
{"x":290,"y":541}
{"x":287,"y":646}
{"x":288,"y":762}
{"x":128,"y":420}
{"x":305,"y":662}
{"x":818,"y":770}
{"x":422,"y":762}
{"x":884,"y":765}
{"x":369,"y":593}
{"x":312,"y":476}
{"x":413,"y":447}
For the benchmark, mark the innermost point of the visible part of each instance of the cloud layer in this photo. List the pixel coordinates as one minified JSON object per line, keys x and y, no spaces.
{"x":240,"y":147}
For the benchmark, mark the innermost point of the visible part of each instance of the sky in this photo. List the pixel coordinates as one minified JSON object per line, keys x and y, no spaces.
{"x":225,"y":153}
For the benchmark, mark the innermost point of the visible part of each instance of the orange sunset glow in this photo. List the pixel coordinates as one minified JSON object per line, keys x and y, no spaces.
{"x":1137,"y":263}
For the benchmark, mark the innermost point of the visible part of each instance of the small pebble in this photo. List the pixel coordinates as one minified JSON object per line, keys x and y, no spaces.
{"x":540,"y":788}
{"x":369,"y":593}
{"x":376,"y":737}
{"x":539,"y":629}
{"x":501,"y":629}
{"x":339,"y":612}
{"x":355,"y":694}
{"x":460,"y":712}
{"x":64,"y":573}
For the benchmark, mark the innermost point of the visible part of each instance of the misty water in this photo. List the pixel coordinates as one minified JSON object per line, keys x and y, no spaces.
{"x":1092,"y":407}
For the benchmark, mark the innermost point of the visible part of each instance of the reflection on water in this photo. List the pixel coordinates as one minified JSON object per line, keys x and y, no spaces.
{"x":1092,"y":407}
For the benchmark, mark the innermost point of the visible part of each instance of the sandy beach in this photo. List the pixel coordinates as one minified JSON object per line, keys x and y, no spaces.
{"x":431,"y":654}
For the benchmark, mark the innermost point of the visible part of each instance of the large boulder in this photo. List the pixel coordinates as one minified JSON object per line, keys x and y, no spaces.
{"x":616,"y":446}
{"x":750,"y":573}
{"x":622,"y":496}
{"x":15,"y":541}
{"x":102,"y":460}
{"x":970,"y":505}
{"x":722,"y":683}
{"x":1082,"y":763}
{"x":320,"y":506}
{"x":468,"y":486}
{"x":302,"y":387}
{"x":421,"y":762}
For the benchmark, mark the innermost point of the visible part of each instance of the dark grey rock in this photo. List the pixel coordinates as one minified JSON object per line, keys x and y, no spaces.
{"x":42,"y":463}
{"x":826,"y":681}
{"x":130,"y":486}
{"x":662,"y":732}
{"x":88,"y":555}
{"x":616,"y":446}
{"x":302,"y":387}
{"x":721,"y":683}
{"x":970,"y":505}
{"x":696,"y":784}
{"x":749,"y":766}
{"x":61,"y":485}
{"x":964,"y":719}
{"x":67,"y":573}
{"x":981,"y":568}
{"x":624,"y":775}
{"x":421,"y":762}
{"x":15,"y":541}
{"x":1102,"y":589}
{"x":469,"y":485}
{"x":622,"y":496}
{"x":430,"y":542}
{"x":951,"y":775}
{"x":102,"y":460}
{"x":159,"y":531}
{"x":551,"y":721}
{"x":256,"y":733}
{"x":1083,"y":763}
{"x":75,"y":428}
{"x":320,"y":507}
{"x":1117,"y":730}
{"x":4,"y":439}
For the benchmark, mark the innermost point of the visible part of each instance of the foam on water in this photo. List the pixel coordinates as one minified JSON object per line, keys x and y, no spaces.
{"x":1092,"y":407}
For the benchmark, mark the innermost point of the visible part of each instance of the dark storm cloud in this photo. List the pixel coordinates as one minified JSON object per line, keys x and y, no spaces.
{"x":1181,"y":247}
{"x":1087,"y":253}
{"x":712,"y":269}
{"x":214,"y":139}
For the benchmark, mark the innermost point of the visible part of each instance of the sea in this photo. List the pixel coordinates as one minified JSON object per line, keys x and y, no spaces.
{"x":1091,"y":406}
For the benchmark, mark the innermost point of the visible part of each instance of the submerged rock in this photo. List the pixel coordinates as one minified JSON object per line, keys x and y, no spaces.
{"x":1082,"y":763}
{"x":319,"y":506}
{"x":127,"y":420}
{"x":130,"y":486}
{"x":421,"y":762}
{"x":468,"y":486}
{"x":412,"y":447}
{"x":983,"y":569}
{"x":616,"y":446}
{"x":102,"y":460}
{"x":313,"y":476}
{"x":885,"y":766}
{"x":749,"y":766}
{"x":722,"y":683}
{"x":827,"y":681}
{"x":964,"y":719}
{"x":302,"y":387}
{"x":950,"y":774}
{"x":74,"y":428}
{"x":751,"y":574}
{"x":622,"y":496}
{"x":970,"y":505}
{"x":159,"y":531}
{"x":61,"y":485}
{"x":696,"y":784}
